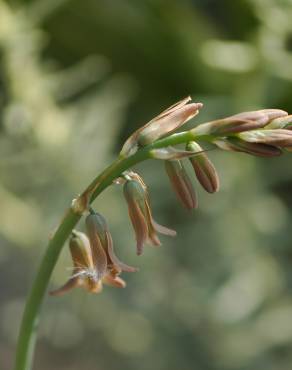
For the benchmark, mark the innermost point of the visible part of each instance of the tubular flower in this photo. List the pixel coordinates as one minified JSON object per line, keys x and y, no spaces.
{"x":145,"y":227}
{"x":240,"y":122}
{"x":166,"y":122}
{"x":93,"y":258}
{"x":84,"y":273}
{"x":204,"y":168}
{"x":181,"y":184}
{"x":106,"y":263}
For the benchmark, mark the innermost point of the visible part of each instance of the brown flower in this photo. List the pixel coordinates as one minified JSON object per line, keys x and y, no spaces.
{"x":166,"y":122}
{"x":84,"y":274}
{"x":94,"y":259}
{"x":145,"y":227}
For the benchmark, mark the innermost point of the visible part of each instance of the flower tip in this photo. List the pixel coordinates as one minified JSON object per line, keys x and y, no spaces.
{"x":139,"y":252}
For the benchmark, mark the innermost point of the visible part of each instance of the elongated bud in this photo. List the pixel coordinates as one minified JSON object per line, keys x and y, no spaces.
{"x":235,"y":144}
{"x":204,"y":168}
{"x":281,"y":122}
{"x":279,"y":137}
{"x":145,"y":227}
{"x":239,"y":122}
{"x":166,"y":122}
{"x":181,"y":184}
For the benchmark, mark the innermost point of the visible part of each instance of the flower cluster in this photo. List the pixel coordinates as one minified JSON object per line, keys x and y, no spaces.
{"x":263,"y":133}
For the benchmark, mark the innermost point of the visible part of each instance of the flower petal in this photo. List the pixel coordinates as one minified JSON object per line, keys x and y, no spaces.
{"x":69,"y":285}
{"x":116,"y":281}
{"x":162,"y":229}
{"x":139,"y":225}
{"x":115,"y":259}
{"x":98,"y":254}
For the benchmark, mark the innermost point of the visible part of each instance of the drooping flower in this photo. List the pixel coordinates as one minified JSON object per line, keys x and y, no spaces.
{"x":94,"y":259}
{"x":204,"y":168}
{"x":240,"y":122}
{"x":181,"y":184}
{"x":165,"y":123}
{"x":105,"y":261}
{"x":146,"y":229}
{"x":83,"y":274}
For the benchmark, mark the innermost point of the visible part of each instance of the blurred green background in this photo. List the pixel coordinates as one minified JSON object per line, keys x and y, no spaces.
{"x":76,"y":78}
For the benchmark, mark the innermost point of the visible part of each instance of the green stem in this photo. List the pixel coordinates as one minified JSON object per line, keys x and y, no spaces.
{"x":29,"y":324}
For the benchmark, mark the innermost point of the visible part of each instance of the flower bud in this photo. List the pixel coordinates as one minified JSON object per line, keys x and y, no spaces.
{"x":235,"y":144}
{"x":204,"y":168}
{"x":278,"y":137}
{"x":145,"y":227}
{"x":281,"y":122}
{"x":181,"y":184}
{"x":241,"y":122}
{"x":166,"y":122}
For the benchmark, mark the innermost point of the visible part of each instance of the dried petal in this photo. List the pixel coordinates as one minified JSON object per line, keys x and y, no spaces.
{"x":152,"y":235}
{"x":162,"y":229}
{"x":69,"y":285}
{"x":116,"y":282}
{"x":114,"y":258}
{"x":204,"y":168}
{"x":181,"y":184}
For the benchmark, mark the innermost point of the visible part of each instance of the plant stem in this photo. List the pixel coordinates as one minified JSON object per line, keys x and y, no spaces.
{"x":28,"y":329}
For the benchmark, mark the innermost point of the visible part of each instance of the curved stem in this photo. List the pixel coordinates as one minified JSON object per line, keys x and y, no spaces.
{"x":29,"y":324}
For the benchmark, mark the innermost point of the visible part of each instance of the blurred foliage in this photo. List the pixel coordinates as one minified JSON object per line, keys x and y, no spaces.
{"x":76,"y":77}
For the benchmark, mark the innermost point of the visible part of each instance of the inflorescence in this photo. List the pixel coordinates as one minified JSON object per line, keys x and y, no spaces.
{"x":264,"y":133}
